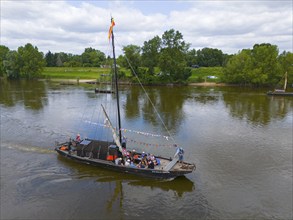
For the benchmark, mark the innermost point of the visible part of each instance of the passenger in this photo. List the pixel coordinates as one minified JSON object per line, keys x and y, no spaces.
{"x":132,"y":154}
{"x":132,"y":164}
{"x":158,"y":162}
{"x":118,"y":161}
{"x":140,"y":165}
{"x":142,"y":154}
{"x":127,"y":163}
{"x":144,"y":162}
{"x":77,"y":139}
{"x":151,"y":164}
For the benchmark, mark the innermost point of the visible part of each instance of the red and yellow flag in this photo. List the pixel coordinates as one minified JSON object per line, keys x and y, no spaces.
{"x":111,"y":28}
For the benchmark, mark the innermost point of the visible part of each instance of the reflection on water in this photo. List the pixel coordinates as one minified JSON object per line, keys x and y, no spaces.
{"x":240,"y":140}
{"x":257,"y":108}
{"x":32,"y":94}
{"x":178,"y":185}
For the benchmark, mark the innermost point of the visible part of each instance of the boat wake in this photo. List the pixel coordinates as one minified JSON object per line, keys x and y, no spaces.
{"x":27,"y":148}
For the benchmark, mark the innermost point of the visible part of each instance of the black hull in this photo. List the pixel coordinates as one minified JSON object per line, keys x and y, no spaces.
{"x":103,"y":91}
{"x":144,"y":172}
{"x":280,"y":93}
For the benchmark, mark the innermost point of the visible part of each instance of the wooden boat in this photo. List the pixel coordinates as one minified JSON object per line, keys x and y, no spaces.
{"x":281,"y":92}
{"x":112,"y":155}
{"x":103,"y":91}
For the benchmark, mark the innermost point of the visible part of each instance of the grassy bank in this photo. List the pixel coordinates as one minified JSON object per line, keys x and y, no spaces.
{"x":202,"y":74}
{"x":74,"y":72}
{"x":206,"y":74}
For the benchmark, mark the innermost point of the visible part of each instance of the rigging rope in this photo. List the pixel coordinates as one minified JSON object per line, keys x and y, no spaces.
{"x":159,"y":116}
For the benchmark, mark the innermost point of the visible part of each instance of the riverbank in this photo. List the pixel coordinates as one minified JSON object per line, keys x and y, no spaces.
{"x":91,"y":81}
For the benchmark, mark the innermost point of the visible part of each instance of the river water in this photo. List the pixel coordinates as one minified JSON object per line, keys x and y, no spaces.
{"x":240,"y":140}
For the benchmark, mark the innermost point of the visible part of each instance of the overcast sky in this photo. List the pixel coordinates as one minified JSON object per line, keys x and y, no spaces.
{"x":71,"y":26}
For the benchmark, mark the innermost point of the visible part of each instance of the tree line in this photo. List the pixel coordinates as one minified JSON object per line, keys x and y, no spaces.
{"x":165,"y":59}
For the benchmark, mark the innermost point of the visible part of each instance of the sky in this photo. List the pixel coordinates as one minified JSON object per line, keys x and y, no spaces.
{"x":71,"y":26}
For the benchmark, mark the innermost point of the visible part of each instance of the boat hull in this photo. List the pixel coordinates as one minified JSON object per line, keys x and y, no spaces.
{"x":280,"y":93}
{"x":144,"y":172}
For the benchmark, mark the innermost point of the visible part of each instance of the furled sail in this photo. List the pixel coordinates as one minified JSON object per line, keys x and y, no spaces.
{"x":115,"y":136}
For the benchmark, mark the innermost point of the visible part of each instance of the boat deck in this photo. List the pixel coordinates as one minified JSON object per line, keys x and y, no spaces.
{"x":163,"y":163}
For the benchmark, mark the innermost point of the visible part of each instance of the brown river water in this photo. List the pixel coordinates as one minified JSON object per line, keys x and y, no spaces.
{"x":240,"y":140}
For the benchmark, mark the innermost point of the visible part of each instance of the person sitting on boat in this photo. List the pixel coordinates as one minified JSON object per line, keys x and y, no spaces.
{"x":158,"y":162}
{"x":127,"y":163}
{"x":151,"y":164}
{"x":143,"y":154}
{"x":118,"y":161}
{"x":77,"y":139}
{"x":132,"y":154}
{"x":144,"y":162}
{"x":132,"y":164}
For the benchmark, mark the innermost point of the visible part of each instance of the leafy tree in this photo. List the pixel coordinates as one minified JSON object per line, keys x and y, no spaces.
{"x":257,"y":67}
{"x":191,"y":57}
{"x":73,"y":61}
{"x":265,"y":64}
{"x":285,"y":60}
{"x":12,"y":65}
{"x":132,"y":54}
{"x":92,"y":58}
{"x":238,"y":67}
{"x":3,"y":53}
{"x":150,"y":53}
{"x":50,"y":59}
{"x":31,"y":61}
{"x":172,"y":57}
{"x":210,"y":57}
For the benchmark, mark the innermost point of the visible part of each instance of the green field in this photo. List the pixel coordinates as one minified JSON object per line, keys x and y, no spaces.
{"x":202,"y":74}
{"x":198,"y":74}
{"x":74,"y":72}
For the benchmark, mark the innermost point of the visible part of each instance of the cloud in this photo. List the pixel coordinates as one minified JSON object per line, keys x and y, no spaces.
{"x":72,"y":26}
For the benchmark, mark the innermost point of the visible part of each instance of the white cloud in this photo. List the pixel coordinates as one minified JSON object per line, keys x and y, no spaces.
{"x":72,"y":26}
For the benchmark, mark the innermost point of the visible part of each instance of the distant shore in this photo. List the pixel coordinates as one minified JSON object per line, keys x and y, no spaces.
{"x":91,"y":81}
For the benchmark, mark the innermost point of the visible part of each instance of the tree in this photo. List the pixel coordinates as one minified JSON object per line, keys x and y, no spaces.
{"x":50,"y":59}
{"x":92,"y":58}
{"x":3,"y":53}
{"x":150,"y":53}
{"x":265,"y":66}
{"x":210,"y":57}
{"x":257,"y":67}
{"x":132,"y":54}
{"x":31,"y":61}
{"x":238,"y":67}
{"x":191,"y":58}
{"x":12,"y":65}
{"x":172,"y":57}
{"x":285,"y":60}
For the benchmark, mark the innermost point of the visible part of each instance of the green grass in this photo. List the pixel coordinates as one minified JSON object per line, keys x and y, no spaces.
{"x":198,"y":74}
{"x":201,"y":74}
{"x":74,"y":72}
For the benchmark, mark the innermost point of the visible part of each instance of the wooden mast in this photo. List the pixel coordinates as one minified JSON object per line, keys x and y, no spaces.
{"x":116,"y":85}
